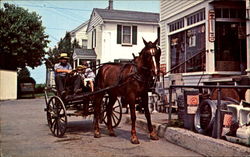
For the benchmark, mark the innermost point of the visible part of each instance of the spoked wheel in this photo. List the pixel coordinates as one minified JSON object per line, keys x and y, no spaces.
{"x":56,"y":116}
{"x":116,"y":115}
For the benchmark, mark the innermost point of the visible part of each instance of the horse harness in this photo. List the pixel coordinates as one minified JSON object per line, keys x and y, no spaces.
{"x":135,"y":75}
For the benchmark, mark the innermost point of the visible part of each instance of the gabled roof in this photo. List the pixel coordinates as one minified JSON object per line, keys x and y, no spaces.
{"x":84,"y":54}
{"x":123,"y":15}
{"x":79,"y":27}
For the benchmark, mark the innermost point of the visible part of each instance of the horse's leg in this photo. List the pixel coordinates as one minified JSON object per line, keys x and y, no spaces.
{"x":97,"y":110}
{"x":152,"y":133}
{"x":111,"y":103}
{"x":134,"y":138}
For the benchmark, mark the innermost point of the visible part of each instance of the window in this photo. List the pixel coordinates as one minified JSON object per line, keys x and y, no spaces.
{"x":94,"y":38}
{"x":229,"y":13}
{"x":159,"y":35}
{"x":176,"y":25}
{"x":196,"y":17}
{"x":188,"y":46}
{"x":84,"y":43}
{"x":126,"y":35}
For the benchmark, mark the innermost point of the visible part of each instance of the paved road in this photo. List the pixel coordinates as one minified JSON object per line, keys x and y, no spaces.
{"x":24,"y":133}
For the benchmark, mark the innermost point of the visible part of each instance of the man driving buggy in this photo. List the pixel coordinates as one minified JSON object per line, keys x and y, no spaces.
{"x":61,"y":70}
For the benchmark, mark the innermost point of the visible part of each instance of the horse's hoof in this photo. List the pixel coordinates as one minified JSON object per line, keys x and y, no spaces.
{"x":134,"y":140}
{"x":153,"y":136}
{"x":97,"y":135}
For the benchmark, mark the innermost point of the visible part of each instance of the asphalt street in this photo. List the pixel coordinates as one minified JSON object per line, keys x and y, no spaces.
{"x":24,"y":133}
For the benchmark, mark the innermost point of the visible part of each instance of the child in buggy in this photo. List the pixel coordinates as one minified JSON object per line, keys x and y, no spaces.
{"x":87,"y":76}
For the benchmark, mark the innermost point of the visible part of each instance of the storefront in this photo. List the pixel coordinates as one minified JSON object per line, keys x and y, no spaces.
{"x":205,"y":38}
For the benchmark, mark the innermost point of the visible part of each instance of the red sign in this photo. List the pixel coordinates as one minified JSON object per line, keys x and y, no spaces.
{"x":193,"y":100}
{"x":163,"y":68}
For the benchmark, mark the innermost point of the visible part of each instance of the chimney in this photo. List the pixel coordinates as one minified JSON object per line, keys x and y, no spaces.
{"x":110,"y":5}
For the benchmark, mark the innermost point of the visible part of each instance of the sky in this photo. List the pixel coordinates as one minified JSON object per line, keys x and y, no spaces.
{"x":61,"y":16}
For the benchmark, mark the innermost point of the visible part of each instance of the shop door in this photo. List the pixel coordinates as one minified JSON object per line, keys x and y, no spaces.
{"x":230,"y":46}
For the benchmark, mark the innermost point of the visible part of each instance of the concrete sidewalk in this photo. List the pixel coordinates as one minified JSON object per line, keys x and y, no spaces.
{"x":204,"y":145}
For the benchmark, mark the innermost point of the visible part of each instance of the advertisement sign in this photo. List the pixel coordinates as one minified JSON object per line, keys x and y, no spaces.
{"x":192,"y":103}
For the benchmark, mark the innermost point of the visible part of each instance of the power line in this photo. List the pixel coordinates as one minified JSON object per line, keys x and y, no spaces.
{"x":57,"y":10}
{"x":53,"y":37}
{"x":44,"y":6}
{"x":62,"y":12}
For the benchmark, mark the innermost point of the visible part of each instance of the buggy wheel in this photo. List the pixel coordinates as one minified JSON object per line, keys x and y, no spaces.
{"x":116,"y":115}
{"x":56,"y":116}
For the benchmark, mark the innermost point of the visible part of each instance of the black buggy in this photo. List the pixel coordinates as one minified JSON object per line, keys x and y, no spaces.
{"x":59,"y":108}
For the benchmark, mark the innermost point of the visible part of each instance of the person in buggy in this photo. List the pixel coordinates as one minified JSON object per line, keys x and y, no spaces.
{"x":87,"y":75}
{"x":62,"y":72}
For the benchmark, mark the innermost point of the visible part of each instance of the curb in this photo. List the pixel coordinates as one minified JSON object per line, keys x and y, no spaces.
{"x":199,"y":143}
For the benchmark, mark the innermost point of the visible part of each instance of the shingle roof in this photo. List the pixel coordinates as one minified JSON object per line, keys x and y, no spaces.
{"x":107,"y":14}
{"x":84,"y":53}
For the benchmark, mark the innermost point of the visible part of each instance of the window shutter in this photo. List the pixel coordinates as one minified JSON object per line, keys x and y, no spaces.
{"x":92,"y":40}
{"x":159,"y":35}
{"x":134,"y":35}
{"x":119,"y":34}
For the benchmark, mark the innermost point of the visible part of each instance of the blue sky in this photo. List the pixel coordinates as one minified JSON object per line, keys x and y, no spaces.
{"x":60,"y":16}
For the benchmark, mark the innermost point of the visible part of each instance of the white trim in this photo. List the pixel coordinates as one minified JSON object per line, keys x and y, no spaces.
{"x":186,"y":27}
{"x":204,"y":73}
{"x":229,"y":20}
{"x":209,"y":73}
{"x":78,"y":62}
{"x":132,"y":22}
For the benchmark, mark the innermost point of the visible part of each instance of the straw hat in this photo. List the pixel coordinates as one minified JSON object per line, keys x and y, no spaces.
{"x":64,"y":56}
{"x":81,"y":67}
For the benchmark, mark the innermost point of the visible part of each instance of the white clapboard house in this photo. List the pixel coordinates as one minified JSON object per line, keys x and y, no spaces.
{"x":115,"y":34}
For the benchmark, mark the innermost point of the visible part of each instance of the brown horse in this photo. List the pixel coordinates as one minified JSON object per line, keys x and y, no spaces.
{"x":133,"y":81}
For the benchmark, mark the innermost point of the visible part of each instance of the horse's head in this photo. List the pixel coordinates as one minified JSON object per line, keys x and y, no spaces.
{"x":151,"y":54}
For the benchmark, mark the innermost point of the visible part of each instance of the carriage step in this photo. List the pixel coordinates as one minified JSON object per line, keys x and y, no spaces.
{"x":45,"y":109}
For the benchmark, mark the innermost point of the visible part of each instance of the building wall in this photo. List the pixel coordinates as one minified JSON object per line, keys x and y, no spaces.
{"x":95,"y":23}
{"x":80,"y":35}
{"x":111,"y":50}
{"x":171,"y":8}
{"x":8,"y":85}
{"x":171,"y":11}
{"x":95,"y":19}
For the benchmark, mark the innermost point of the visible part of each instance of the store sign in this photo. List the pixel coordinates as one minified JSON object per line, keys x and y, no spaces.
{"x":163,"y":68}
{"x":192,"y":103}
{"x":211,"y":25}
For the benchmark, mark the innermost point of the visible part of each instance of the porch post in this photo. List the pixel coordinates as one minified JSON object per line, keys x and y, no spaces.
{"x":78,"y":62}
{"x":248,"y":35}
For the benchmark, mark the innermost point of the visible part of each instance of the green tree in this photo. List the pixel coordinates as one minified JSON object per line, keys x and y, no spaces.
{"x":23,"y":38}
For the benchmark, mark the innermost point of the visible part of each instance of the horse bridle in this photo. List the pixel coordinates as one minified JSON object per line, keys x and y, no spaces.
{"x":153,"y":55}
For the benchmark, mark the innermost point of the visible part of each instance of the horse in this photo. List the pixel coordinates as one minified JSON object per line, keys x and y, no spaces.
{"x":130,"y":81}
